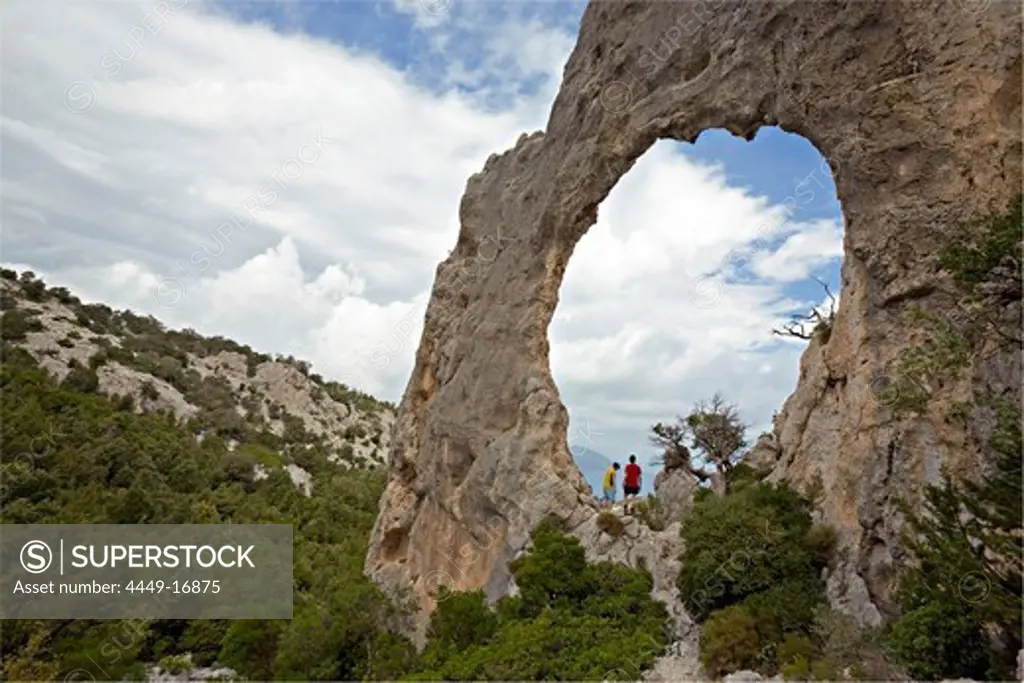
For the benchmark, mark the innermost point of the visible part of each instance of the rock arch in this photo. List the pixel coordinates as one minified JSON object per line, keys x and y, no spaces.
{"x":917,"y":108}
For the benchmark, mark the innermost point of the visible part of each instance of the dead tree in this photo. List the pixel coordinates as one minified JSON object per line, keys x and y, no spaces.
{"x":804,"y":326}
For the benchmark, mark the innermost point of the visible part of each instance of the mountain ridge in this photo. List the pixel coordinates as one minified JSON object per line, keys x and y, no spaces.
{"x":275,"y":406}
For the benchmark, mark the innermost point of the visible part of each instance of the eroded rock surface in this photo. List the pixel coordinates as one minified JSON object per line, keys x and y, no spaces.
{"x":915,"y":105}
{"x":675,"y":490}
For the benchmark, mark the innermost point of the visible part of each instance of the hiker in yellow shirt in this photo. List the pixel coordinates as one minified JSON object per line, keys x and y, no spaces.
{"x":608,"y":486}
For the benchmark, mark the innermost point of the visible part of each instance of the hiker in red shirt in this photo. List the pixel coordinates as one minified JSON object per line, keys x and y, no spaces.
{"x":631,"y":485}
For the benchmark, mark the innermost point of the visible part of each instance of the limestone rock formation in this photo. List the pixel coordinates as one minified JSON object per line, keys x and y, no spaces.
{"x":264,"y":392}
{"x":917,"y":107}
{"x":680,"y":663}
{"x":675,"y":490}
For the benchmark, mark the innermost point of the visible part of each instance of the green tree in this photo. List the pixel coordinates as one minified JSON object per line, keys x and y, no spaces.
{"x":710,"y":436}
{"x":967,"y":551}
{"x":250,"y":647}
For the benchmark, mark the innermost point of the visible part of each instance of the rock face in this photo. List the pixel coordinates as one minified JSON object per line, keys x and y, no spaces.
{"x":916,"y":107}
{"x":675,"y":490}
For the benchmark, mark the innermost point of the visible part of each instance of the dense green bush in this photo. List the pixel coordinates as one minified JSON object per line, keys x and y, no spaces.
{"x":81,"y":378}
{"x":940,"y":640}
{"x":753,"y":540}
{"x":571,"y":621}
{"x":15,"y":325}
{"x":752,"y":572}
{"x":730,"y":641}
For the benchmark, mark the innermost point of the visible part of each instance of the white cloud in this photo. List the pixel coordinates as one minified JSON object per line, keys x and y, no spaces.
{"x":131,"y":201}
{"x":806,"y":249}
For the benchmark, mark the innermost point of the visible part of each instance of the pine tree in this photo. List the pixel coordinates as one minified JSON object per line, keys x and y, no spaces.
{"x":967,"y":547}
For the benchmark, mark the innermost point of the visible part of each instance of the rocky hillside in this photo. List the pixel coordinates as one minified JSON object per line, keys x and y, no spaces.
{"x":275,"y":407}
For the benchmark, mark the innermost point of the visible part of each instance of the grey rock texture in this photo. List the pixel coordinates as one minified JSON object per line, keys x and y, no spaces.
{"x":680,"y":663}
{"x":675,"y":490}
{"x":917,"y":108}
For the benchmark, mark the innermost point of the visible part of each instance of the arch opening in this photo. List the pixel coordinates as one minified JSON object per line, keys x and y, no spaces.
{"x":698,"y":253}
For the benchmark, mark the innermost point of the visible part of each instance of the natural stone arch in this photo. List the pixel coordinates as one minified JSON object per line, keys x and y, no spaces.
{"x":917,"y":108}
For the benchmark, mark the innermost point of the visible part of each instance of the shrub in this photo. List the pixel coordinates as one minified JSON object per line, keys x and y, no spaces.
{"x":821,"y":540}
{"x":64,"y":296}
{"x":651,"y":512}
{"x":798,"y":669}
{"x":785,"y":608}
{"x":729,"y":641}
{"x":81,"y":378}
{"x":752,"y":570}
{"x":794,"y":646}
{"x":16,"y":324}
{"x":238,"y":467}
{"x":980,"y":247}
{"x":843,"y":645}
{"x":609,"y":523}
{"x":571,"y":621}
{"x":35,"y":290}
{"x":149,"y":391}
{"x":176,"y":664}
{"x":741,"y":474}
{"x":354,"y":432}
{"x":938,"y":640}
{"x":66,"y":343}
{"x":550,"y":524}
{"x":460,"y":621}
{"x":346,"y":452}
{"x":747,"y":542}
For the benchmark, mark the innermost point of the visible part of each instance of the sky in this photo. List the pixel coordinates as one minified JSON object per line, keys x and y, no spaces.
{"x":339,"y":136}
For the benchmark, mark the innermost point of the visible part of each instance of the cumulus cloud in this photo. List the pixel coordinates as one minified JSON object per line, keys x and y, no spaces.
{"x":296,"y":194}
{"x":661,"y":258}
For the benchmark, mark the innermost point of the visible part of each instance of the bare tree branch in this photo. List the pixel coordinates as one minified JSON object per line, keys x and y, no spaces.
{"x":798,"y":324}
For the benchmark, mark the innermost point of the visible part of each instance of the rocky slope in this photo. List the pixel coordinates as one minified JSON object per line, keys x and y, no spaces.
{"x":219,"y":387}
{"x":917,"y":108}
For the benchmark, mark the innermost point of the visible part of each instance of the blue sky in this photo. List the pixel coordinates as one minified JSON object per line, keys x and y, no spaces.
{"x":119,"y":181}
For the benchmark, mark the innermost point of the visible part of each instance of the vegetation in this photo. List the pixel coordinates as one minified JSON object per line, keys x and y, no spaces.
{"x":984,"y":260}
{"x":961,"y":594}
{"x":986,"y":246}
{"x":752,"y":575}
{"x":651,"y":512}
{"x":571,"y":621}
{"x":74,"y":456}
{"x":817,"y":320}
{"x":711,"y":435}
{"x":752,"y":570}
{"x":143,"y":344}
{"x":609,"y":523}
{"x":15,"y":324}
{"x":965,"y":583}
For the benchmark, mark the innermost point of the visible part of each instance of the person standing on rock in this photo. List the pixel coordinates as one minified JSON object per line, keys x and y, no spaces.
{"x":631,"y":485}
{"x":608,"y":486}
